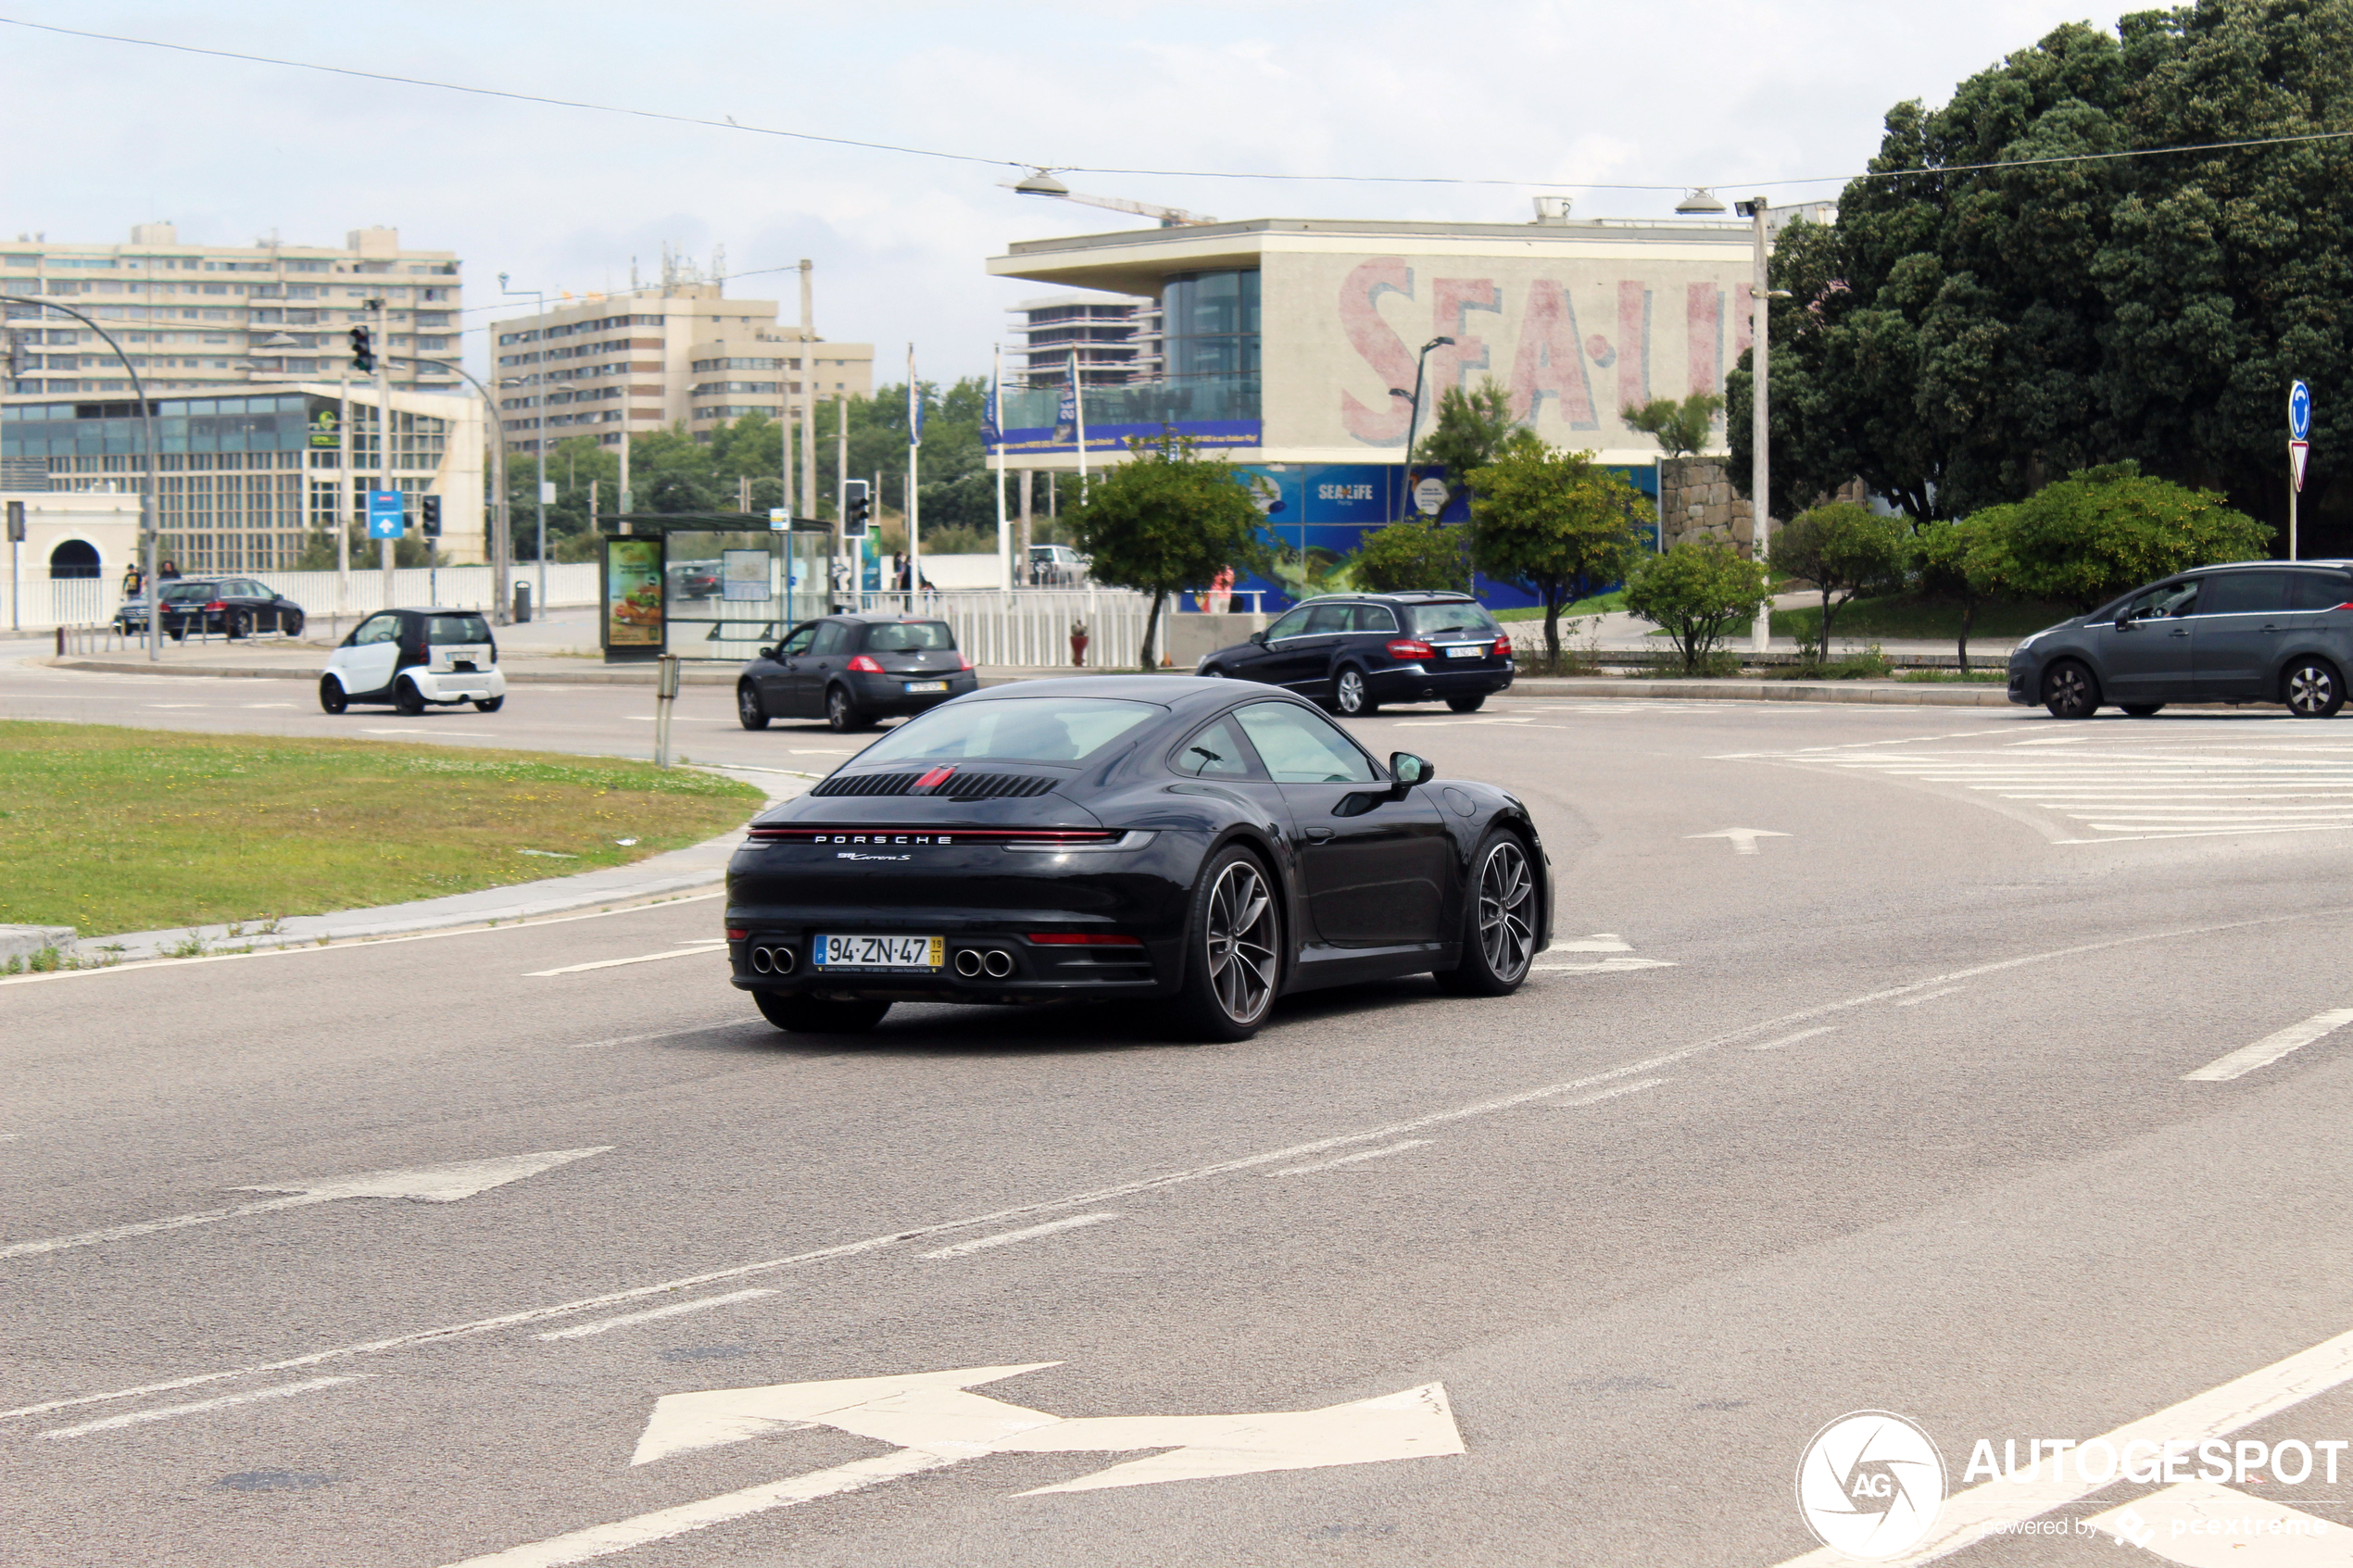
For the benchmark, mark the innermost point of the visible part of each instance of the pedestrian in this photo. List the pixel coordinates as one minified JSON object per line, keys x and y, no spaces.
{"x":132,"y":582}
{"x":167,"y":572}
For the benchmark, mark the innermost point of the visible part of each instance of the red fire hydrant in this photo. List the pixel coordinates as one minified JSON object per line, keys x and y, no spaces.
{"x":1079,"y":643}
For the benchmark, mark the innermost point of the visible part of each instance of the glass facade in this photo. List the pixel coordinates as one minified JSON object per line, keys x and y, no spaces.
{"x":231,"y":484}
{"x":1211,"y":319}
{"x":1211,"y":378}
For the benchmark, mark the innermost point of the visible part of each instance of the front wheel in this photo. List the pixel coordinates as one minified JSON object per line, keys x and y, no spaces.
{"x":2313,"y":689}
{"x":1500,"y":921}
{"x":1213,"y":672}
{"x":1349,"y":697}
{"x":816,"y":1015}
{"x":2069,"y":692}
{"x":841,"y":711}
{"x":331,"y":697}
{"x":1233,"y":948}
{"x":748,"y":713}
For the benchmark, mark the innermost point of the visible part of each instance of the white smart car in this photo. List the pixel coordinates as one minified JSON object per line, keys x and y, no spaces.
{"x":412,"y":658}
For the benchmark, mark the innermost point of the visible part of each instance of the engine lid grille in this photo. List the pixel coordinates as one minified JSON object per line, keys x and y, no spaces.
{"x":958,"y":785}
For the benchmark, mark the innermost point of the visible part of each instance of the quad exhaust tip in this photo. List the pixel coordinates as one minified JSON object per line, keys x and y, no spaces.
{"x":973,"y":962}
{"x":771,"y":961}
{"x":998,"y":963}
{"x":968,"y":962}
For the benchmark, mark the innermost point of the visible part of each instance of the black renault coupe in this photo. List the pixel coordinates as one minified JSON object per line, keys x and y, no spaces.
{"x":1207,"y":846}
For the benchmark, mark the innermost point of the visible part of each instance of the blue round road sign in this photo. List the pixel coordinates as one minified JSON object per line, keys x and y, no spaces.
{"x":2299,"y":412}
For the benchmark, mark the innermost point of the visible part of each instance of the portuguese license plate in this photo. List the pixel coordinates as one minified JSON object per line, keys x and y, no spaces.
{"x":880,"y":952}
{"x":1472,"y":651}
{"x":927,"y":686}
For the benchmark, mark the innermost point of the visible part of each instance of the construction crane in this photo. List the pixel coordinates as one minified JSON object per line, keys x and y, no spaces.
{"x":1042,"y":184}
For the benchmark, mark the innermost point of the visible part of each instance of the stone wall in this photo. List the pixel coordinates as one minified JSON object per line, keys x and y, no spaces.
{"x":1696,"y":501}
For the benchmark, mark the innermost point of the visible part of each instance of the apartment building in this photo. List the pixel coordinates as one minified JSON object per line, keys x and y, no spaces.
{"x":200,"y":318}
{"x":676,"y":353}
{"x":1118,"y":341}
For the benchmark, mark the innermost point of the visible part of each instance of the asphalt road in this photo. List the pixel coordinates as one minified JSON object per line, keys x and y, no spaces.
{"x":1886,"y":1110}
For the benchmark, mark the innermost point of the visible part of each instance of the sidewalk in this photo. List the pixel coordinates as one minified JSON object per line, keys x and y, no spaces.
{"x":693,"y":869}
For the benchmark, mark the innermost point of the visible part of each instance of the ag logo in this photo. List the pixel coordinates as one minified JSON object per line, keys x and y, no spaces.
{"x":1870,"y":1484}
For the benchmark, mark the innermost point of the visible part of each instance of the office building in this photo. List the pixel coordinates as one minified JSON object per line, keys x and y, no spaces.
{"x":1117,"y":341}
{"x":204,"y":317}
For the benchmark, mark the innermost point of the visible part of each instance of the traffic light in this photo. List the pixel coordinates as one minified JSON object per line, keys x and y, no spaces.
{"x":363,"y":357}
{"x":861,"y":509}
{"x":429,"y":515}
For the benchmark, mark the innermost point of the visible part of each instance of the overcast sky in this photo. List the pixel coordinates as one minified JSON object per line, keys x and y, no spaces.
{"x":1728,"y":92}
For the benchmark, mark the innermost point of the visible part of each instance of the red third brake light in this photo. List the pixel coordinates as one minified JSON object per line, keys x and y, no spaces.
{"x":1411,"y":648}
{"x":1083,"y":939}
{"x":865,"y":666}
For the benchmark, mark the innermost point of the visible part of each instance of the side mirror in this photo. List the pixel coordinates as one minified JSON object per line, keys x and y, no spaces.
{"x":1259,"y":637}
{"x":2124,"y":621}
{"x":767,"y":653}
{"x":1409,"y":770}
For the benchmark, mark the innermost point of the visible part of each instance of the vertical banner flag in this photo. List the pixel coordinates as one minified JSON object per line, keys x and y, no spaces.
{"x":990,"y":438}
{"x":914,"y":402}
{"x":1066,"y":410}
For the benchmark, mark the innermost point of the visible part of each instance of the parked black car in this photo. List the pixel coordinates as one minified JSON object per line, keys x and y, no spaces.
{"x":852,"y":670}
{"x":236,"y":607}
{"x":1354,"y":652}
{"x":1202,"y":847}
{"x":2249,"y":631}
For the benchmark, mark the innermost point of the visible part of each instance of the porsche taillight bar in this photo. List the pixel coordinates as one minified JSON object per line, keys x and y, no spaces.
{"x":933,"y":835}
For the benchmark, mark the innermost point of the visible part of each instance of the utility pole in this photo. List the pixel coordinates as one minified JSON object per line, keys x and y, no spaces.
{"x":384,"y":426}
{"x":1761,"y":294}
{"x":346,"y":492}
{"x":807,"y":398}
{"x":841,"y":489}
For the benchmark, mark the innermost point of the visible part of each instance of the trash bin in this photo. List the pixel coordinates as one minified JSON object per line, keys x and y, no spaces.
{"x":523,"y":603}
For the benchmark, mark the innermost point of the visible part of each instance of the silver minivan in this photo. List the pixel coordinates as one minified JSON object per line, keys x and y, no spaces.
{"x":2249,"y":631}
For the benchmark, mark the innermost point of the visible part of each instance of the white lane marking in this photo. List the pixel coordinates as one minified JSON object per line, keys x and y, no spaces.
{"x":172,"y":1412}
{"x":936,"y":1422}
{"x":964,"y":1248}
{"x":1613,"y":1092}
{"x":250,"y":705}
{"x":1603,"y":966}
{"x":710,"y":946}
{"x":1970,"y":1516}
{"x":2270,"y":1048}
{"x":680,"y":1308}
{"x":402,"y":732}
{"x":640,"y":718}
{"x":2200,"y":1525}
{"x":1599,"y":942}
{"x":1793,"y":1039}
{"x":660,"y":1035}
{"x":1930,"y":996}
{"x":1172,"y":1179}
{"x":1743,"y":839}
{"x":432,"y":1184}
{"x":1351,"y":1158}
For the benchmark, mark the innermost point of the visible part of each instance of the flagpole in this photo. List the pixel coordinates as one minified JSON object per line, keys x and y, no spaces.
{"x":914,"y":445}
{"x":1078,"y":405}
{"x":996,"y":433}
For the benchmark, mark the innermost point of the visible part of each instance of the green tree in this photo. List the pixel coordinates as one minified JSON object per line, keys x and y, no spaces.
{"x":1842,"y":549}
{"x":1967,"y":562}
{"x":1680,"y":428}
{"x":1417,"y":553}
{"x":1555,"y":522}
{"x":1470,"y":433}
{"x":2100,"y":532}
{"x":1697,"y":591}
{"x":1166,"y":520}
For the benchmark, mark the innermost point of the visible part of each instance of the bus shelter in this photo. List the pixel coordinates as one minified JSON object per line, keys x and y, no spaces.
{"x":708,"y":585}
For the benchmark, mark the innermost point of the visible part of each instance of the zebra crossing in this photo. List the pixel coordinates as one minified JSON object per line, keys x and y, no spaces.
{"x":2107,"y":792}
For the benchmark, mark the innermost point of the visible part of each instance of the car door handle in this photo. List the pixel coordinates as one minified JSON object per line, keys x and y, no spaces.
{"x":2182,"y":632}
{"x":1319,"y":835}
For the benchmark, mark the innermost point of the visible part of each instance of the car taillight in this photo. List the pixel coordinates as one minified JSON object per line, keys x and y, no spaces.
{"x":1083,"y":939}
{"x":963,"y":663}
{"x":216,"y":604}
{"x":1504,"y":648}
{"x":1410,"y":648}
{"x":865,"y":666}
{"x":738,"y":933}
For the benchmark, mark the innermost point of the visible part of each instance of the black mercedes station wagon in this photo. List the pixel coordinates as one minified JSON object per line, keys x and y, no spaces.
{"x":1204,"y":847}
{"x":852,"y":670}
{"x":1354,"y":652}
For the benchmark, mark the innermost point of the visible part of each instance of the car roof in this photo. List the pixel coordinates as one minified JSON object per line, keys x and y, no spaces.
{"x":881,"y":616}
{"x":1176,"y":692}
{"x":1403,"y":595}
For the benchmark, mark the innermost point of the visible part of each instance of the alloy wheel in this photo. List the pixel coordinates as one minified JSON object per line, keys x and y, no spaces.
{"x":2312,"y":691}
{"x":1240,"y":939}
{"x":1348,"y":692}
{"x":1506,"y":901}
{"x":2067,"y":691}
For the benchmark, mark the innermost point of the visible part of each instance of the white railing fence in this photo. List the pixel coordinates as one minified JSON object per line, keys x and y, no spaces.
{"x":1032,"y":626}
{"x":90,"y":601}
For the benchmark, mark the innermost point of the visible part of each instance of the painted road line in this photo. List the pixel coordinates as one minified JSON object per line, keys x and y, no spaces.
{"x":1931,"y":996}
{"x":964,"y":1248}
{"x":1351,"y":1159}
{"x":1165,"y":1181}
{"x":660,"y":1035}
{"x":1613,"y":1092}
{"x":2270,"y":1048}
{"x":710,"y":945}
{"x":173,"y":1413}
{"x":1793,"y":1039}
{"x":2200,"y":1525}
{"x":582,"y":1331}
{"x":1743,"y":839}
{"x":1599,"y":942}
{"x":432,"y":1184}
{"x":1603,"y":966}
{"x":1997,"y":1506}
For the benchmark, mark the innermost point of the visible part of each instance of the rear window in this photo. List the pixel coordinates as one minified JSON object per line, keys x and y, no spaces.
{"x":910,"y":636}
{"x":1034,"y":729}
{"x":178,"y":593}
{"x":444,"y":629}
{"x":1464,"y":620}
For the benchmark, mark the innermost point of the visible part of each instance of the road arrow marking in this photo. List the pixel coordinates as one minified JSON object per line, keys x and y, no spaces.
{"x":432,"y":1184}
{"x":1599,"y":942}
{"x":1743,"y":839}
{"x":936,"y":1422}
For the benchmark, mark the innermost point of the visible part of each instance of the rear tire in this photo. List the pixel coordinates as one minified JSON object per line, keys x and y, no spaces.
{"x":749,"y":712}
{"x":841,"y":711}
{"x":2142,"y":710}
{"x":2069,"y":692}
{"x":237,"y":624}
{"x":331,"y":697}
{"x":817,"y":1015}
{"x":1501,"y":915}
{"x":1350,"y":697}
{"x":489,"y":704}
{"x":290,"y":625}
{"x":1233,"y":948}
{"x":407,"y":698}
{"x":1468,"y":704}
{"x":2312,"y":688}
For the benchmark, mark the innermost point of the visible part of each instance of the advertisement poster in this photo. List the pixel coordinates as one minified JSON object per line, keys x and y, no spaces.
{"x":744,"y":575}
{"x":633,"y":592}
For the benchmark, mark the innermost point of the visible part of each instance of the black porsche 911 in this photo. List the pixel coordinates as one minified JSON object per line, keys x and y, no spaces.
{"x":1116,"y":838}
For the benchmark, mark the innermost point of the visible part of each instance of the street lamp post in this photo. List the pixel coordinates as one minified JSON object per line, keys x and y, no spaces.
{"x":501,"y":592}
{"x":539,"y":444}
{"x":1414,"y":414}
{"x":1761,"y":296}
{"x":150,"y":509}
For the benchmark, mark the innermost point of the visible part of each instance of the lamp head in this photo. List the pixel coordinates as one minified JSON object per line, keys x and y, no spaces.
{"x":1042,"y":183}
{"x":1700,"y":200}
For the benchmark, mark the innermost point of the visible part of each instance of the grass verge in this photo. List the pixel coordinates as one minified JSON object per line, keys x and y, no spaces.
{"x":115,"y":830}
